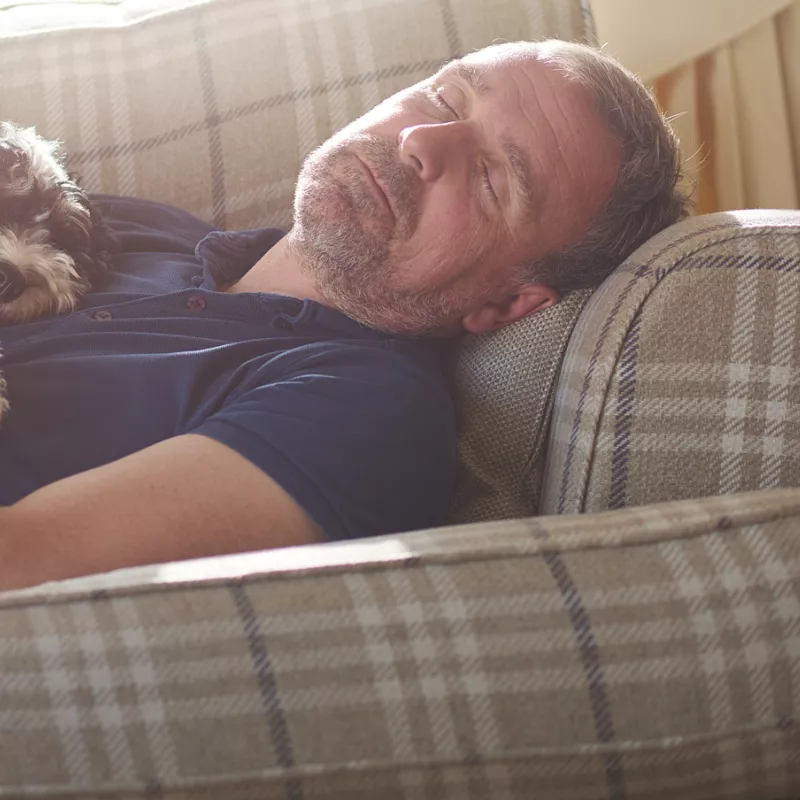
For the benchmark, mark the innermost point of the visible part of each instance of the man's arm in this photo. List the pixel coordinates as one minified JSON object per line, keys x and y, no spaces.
{"x":186,"y":497}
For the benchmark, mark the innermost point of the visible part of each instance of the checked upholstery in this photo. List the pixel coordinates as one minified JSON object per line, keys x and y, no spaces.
{"x":647,"y":653}
{"x":598,"y":657}
{"x":682,"y":378}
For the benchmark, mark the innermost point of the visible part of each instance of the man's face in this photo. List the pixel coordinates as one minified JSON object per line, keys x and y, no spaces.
{"x":425,"y":209}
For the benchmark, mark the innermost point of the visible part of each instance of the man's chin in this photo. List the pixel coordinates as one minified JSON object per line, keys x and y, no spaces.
{"x":343,"y":210}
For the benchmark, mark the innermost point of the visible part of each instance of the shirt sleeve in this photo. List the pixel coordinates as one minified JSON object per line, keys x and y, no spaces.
{"x":363,"y":438}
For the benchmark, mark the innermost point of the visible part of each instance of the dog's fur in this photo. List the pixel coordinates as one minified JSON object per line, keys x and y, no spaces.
{"x":54,"y":246}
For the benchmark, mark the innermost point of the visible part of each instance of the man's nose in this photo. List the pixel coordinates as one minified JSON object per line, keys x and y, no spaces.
{"x":432,"y":150}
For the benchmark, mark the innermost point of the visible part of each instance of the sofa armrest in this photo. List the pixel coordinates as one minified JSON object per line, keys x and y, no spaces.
{"x":682,"y":376}
{"x":645,"y":653}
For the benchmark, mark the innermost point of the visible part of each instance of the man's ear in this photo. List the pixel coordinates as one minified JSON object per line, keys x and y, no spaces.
{"x":496,"y":314}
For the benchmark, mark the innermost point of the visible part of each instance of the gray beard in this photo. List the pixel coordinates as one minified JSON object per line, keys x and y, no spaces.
{"x":344,"y":240}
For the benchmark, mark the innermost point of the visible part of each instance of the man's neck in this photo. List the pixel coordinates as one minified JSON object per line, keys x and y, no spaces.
{"x":278,"y":272}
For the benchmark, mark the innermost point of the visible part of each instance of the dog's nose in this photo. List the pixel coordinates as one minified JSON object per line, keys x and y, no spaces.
{"x":12,"y":284}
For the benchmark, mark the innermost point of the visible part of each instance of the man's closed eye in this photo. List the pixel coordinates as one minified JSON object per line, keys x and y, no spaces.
{"x":438,"y":99}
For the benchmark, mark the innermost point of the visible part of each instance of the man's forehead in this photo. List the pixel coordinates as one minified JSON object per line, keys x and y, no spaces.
{"x":500,"y":54}
{"x":477,"y":68}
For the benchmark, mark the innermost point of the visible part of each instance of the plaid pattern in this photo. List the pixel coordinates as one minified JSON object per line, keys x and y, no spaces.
{"x":681,"y":379}
{"x":472,"y":662}
{"x":469,"y":662}
{"x":213,"y":108}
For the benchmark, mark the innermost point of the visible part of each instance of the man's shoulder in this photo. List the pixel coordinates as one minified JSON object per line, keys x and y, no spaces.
{"x":382,"y":365}
{"x":134,"y":218}
{"x":368,"y":387}
{"x":361,"y":433}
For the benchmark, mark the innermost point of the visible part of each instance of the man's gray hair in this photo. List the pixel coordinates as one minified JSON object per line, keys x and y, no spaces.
{"x":649,"y":193}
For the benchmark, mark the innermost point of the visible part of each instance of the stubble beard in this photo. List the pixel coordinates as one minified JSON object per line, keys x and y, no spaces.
{"x":348,"y":244}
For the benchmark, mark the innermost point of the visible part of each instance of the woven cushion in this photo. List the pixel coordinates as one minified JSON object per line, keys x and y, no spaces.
{"x":594,"y":657}
{"x":212,"y":108}
{"x":682,"y":378}
{"x":505,"y":382}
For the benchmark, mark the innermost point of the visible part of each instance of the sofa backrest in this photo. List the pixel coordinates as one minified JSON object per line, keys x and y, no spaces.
{"x":213,"y":107}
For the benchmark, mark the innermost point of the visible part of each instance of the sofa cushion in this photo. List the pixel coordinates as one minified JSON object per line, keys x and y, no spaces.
{"x":682,"y":378}
{"x":646,"y":653}
{"x":504,"y":387}
{"x":213,"y":107}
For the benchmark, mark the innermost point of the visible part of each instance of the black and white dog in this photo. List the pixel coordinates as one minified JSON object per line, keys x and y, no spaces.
{"x":54,"y":246}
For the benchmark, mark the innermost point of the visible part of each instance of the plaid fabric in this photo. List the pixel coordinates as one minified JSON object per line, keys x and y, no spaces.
{"x":682,"y":378}
{"x":470,"y":662}
{"x":213,"y":108}
{"x":504,"y":387}
{"x":649,"y":653}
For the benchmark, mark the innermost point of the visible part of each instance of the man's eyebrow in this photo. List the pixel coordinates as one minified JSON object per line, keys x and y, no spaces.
{"x":472,"y":77}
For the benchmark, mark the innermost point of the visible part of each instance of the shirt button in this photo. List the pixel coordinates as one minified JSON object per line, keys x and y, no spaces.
{"x":196,"y":303}
{"x":282,"y":324}
{"x":103,"y":315}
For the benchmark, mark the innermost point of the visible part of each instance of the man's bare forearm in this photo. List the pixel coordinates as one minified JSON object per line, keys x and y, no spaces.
{"x":32,"y":551}
{"x":187,"y":497}
{"x":17,"y":550}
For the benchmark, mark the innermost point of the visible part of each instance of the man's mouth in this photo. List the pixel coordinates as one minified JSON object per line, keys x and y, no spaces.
{"x":381,"y":195}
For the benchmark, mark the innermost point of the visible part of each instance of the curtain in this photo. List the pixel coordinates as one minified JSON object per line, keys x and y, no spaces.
{"x":737,"y":112}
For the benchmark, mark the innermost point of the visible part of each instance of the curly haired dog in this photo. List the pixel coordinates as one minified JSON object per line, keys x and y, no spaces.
{"x":54,"y":246}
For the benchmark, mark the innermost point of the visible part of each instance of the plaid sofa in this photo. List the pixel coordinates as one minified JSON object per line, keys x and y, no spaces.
{"x":615,"y":611}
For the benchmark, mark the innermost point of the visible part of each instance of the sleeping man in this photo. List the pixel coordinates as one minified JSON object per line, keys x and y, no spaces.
{"x":236,"y":391}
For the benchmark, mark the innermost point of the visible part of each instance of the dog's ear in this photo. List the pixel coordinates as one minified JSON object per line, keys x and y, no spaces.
{"x":104,"y":240}
{"x":94,"y":262}
{"x":78,"y":228}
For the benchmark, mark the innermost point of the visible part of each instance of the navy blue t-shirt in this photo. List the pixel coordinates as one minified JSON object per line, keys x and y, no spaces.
{"x":356,"y":425}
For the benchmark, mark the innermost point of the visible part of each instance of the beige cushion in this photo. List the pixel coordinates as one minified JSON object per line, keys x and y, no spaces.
{"x":505,"y":382}
{"x":682,"y":378}
{"x":590,"y":657}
